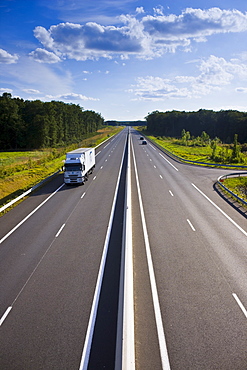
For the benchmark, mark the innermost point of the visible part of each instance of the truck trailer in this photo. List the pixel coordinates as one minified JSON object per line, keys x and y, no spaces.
{"x":78,"y":165}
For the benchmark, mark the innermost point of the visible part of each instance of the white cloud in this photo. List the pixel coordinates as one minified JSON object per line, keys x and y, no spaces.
{"x":44,"y":36}
{"x":217,"y":71}
{"x":242,"y":90}
{"x":193,"y":25}
{"x":243,"y":56}
{"x":140,"y":10}
{"x":44,"y":56}
{"x":91,"y":41}
{"x":145,"y":36}
{"x":7,"y":58}
{"x":31,"y":91}
{"x":214,"y":74}
{"x":71,"y":97}
{"x":159,"y":10}
{"x":3,"y":90}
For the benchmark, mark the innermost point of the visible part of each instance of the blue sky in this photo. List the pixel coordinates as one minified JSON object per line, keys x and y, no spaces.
{"x":126,"y":58}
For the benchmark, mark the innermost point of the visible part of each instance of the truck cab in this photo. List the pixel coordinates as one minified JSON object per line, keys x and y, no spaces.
{"x":78,"y":165}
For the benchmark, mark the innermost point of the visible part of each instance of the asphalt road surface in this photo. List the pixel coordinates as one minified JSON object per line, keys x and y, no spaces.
{"x":66,"y":278}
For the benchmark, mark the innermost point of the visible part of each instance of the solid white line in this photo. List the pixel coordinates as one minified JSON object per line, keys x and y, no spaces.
{"x":98,"y":153}
{"x":240,"y":304}
{"x":157,"y":311}
{"x":192,"y":227}
{"x":30,"y":214}
{"x":219,"y":209}
{"x":171,"y":193}
{"x":152,"y":146}
{"x":83,"y":195}
{"x":168,"y":162}
{"x":59,"y":231}
{"x":15,"y":200}
{"x":128,"y":344}
{"x":5,"y":315}
{"x":92,"y":318}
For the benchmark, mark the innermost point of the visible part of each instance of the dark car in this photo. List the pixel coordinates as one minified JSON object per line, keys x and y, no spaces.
{"x":144,"y":142}
{"x":141,"y":138}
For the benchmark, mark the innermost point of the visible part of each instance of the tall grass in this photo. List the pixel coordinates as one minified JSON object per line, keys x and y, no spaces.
{"x":238,"y":185}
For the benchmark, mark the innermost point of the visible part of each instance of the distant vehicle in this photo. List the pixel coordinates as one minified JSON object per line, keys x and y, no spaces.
{"x":144,"y":142}
{"x":141,"y":138}
{"x":78,"y":165}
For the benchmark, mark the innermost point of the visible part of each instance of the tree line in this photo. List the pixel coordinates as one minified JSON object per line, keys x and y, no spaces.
{"x":223,"y":124}
{"x":35,"y":124}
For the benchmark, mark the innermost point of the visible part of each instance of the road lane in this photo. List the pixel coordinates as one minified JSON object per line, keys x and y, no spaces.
{"x":197,"y":269}
{"x":156,"y":305}
{"x":21,"y":253}
{"x":52,"y":290}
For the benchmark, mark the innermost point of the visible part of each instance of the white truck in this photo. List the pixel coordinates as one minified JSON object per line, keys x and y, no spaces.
{"x":78,"y":165}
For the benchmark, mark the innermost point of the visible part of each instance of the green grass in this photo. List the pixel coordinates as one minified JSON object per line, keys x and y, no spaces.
{"x":195,"y":153}
{"x":238,"y":185}
{"x":21,"y":170}
{"x":192,"y":153}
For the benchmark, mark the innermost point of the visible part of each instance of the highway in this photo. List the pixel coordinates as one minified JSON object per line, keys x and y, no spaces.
{"x":63,"y":281}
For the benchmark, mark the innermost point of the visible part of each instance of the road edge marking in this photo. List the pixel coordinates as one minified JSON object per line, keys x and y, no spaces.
{"x":175,"y":168}
{"x":29,"y":215}
{"x":219,"y":209}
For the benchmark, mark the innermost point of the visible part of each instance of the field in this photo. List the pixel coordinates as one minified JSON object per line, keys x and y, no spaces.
{"x":21,"y":170}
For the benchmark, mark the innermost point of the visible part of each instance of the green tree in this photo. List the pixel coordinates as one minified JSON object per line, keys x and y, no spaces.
{"x":11,"y":123}
{"x":205,"y":139}
{"x":214,"y":149}
{"x":235,"y":158}
{"x":185,"y":137}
